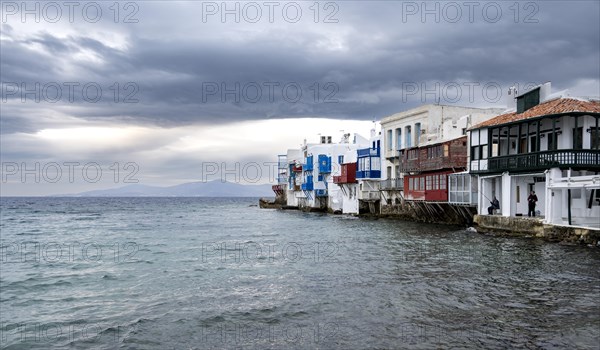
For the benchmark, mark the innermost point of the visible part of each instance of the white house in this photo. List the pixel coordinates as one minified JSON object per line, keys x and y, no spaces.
{"x":368,"y":174}
{"x":549,"y":144}
{"x":294,"y":159}
{"x":346,"y":180}
{"x":423,"y":126}
{"x":312,"y":170}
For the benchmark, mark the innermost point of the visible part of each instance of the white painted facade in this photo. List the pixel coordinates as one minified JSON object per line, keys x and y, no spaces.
{"x":347,"y":194}
{"x":421,"y":126}
{"x":294,"y":157}
{"x":369,"y":188}
{"x":512,"y":191}
{"x":564,"y":139}
{"x":565,"y":196}
{"x":334,"y":198}
{"x":585,"y":198}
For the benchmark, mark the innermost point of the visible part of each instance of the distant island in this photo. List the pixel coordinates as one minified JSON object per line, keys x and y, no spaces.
{"x":214,"y":188}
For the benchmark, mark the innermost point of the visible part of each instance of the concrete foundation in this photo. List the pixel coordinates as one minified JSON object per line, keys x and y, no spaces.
{"x":533,"y":227}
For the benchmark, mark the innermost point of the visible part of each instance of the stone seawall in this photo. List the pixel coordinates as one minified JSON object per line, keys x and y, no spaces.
{"x":533,"y":227}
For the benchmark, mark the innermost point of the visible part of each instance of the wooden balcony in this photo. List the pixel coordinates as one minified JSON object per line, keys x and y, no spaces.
{"x":348,"y":175}
{"x":575,"y":159}
{"x":446,"y":155}
{"x":421,"y":165}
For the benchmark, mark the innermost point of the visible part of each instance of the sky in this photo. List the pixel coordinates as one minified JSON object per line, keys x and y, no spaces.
{"x":103,"y":94}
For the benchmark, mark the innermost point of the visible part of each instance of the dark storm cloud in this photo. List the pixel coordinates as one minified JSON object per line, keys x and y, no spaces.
{"x":174,"y":74}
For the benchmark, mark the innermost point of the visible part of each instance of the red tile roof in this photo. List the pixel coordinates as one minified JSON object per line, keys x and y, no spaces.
{"x":558,"y":106}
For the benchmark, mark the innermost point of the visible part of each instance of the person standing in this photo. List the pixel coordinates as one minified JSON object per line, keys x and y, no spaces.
{"x":532,"y":200}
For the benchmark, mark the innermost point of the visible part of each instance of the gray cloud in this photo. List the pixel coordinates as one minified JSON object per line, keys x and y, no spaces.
{"x":172,"y":73}
{"x":165,"y":63}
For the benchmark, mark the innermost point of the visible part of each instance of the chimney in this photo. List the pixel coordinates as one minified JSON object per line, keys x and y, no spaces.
{"x":545,"y":91}
{"x":511,"y":98}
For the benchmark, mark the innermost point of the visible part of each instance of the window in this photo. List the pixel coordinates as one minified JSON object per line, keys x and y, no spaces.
{"x":518,"y":194}
{"x":523,"y":146}
{"x":389,"y":140}
{"x":407,"y":135}
{"x":434,"y":152}
{"x":413,"y":154}
{"x":595,"y":200}
{"x":398,"y":138}
{"x":533,"y":144}
{"x":428,"y":183}
{"x":422,"y":184}
{"x":417,"y":133}
{"x":443,"y":179}
{"x":464,"y":131}
{"x":484,"y":152}
{"x":340,"y":159}
{"x":446,"y":150}
{"x":375,"y":163}
{"x":495,"y":149}
{"x":475,"y":152}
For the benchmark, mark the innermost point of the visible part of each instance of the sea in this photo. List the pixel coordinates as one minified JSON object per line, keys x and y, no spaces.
{"x":220,"y":273}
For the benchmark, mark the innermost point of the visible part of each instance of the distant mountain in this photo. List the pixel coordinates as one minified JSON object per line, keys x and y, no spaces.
{"x":191,"y":189}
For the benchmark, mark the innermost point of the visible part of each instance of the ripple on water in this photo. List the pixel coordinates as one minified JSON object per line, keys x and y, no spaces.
{"x":389,"y":284}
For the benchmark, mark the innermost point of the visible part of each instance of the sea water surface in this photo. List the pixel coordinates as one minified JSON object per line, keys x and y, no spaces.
{"x":212,"y":273}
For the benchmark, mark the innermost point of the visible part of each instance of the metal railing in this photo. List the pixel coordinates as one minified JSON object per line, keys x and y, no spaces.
{"x":392,"y":184}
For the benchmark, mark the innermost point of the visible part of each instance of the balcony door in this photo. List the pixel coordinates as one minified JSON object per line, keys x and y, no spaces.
{"x":523,"y":145}
{"x":551,"y":142}
{"x":595,"y":139}
{"x":578,"y":138}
